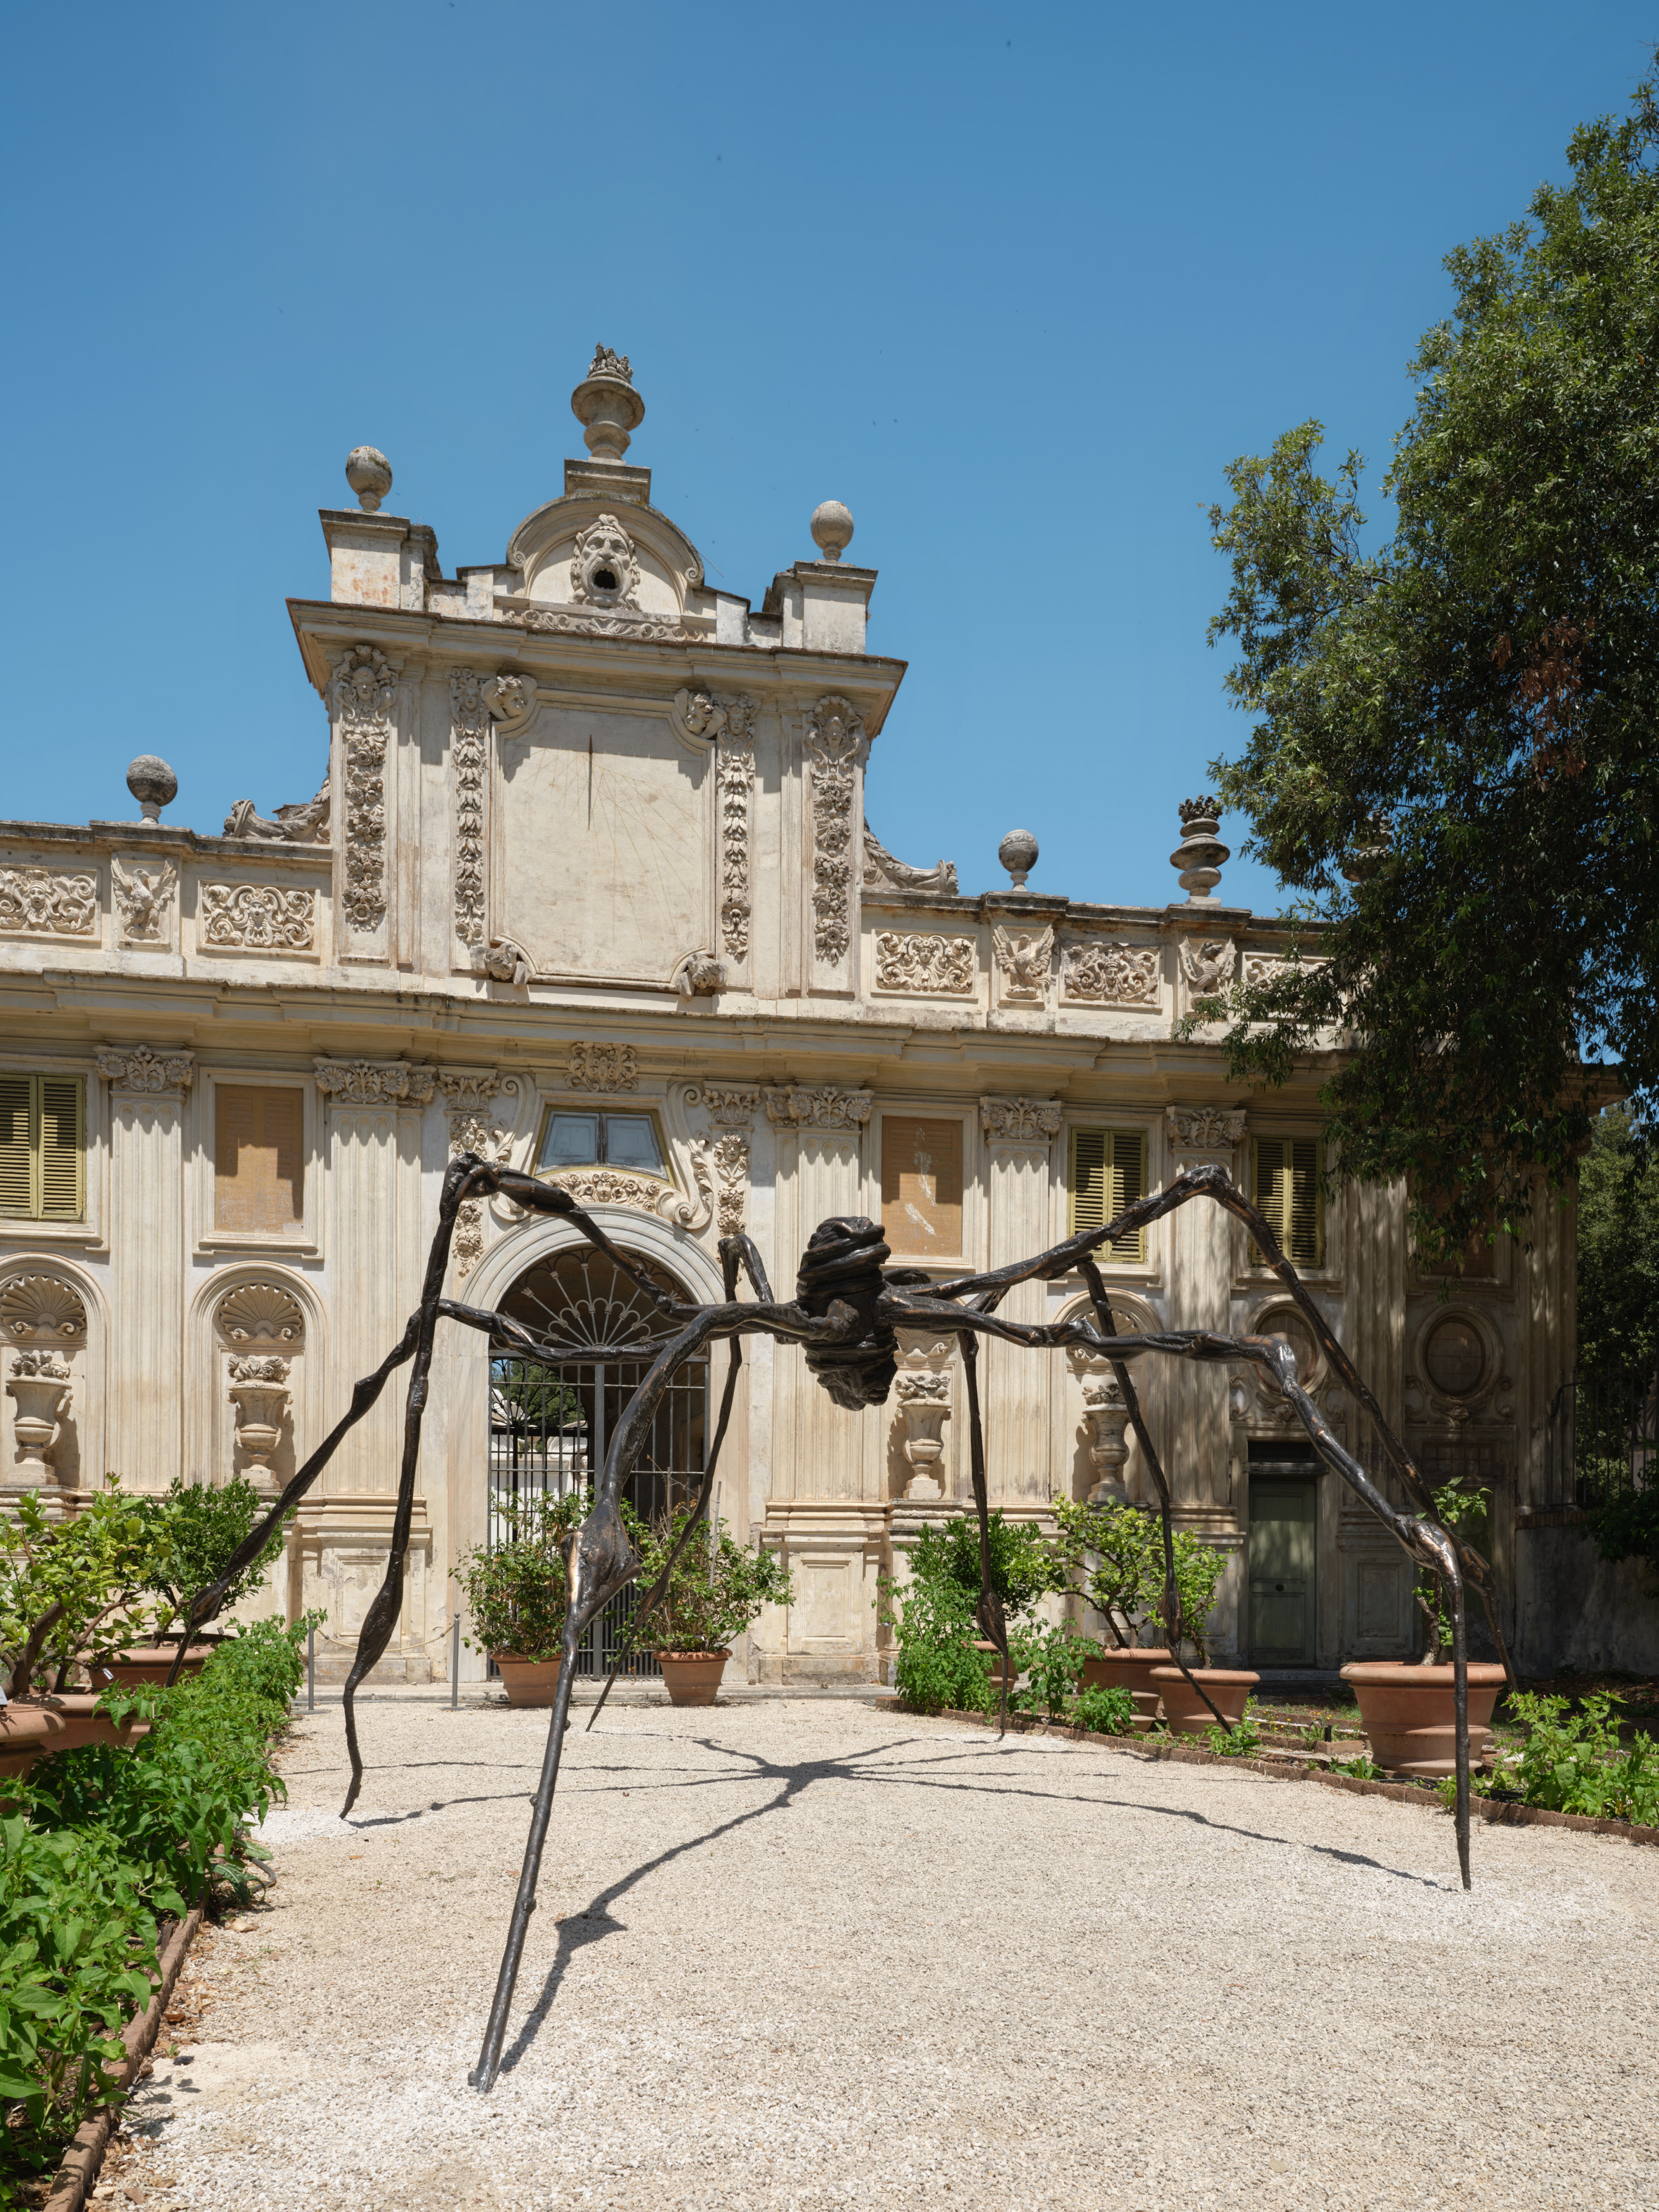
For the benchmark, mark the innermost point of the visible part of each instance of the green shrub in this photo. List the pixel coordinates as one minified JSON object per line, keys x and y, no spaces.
{"x":71,"y":1591}
{"x":191,"y":1533}
{"x":1576,"y":1762}
{"x":716,"y":1590}
{"x":100,"y":1844}
{"x":518,"y":1594}
{"x":1243,"y":1740}
{"x":1108,"y":1709}
{"x":1112,"y":1556}
{"x":1052,"y":1658}
{"x":933,"y":1616}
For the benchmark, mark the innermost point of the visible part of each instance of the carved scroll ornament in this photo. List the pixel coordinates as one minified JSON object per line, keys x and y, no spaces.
{"x":923,"y":963}
{"x":1113,"y":974}
{"x":603,"y":1068}
{"x":35,"y":903}
{"x":833,"y":738}
{"x":1205,"y":1128}
{"x":801,"y":1107}
{"x":360,"y":694}
{"x":257,"y":917}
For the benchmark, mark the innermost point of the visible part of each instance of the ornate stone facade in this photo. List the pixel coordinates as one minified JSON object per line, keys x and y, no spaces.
{"x":40,"y":902}
{"x":1109,"y":975}
{"x":936,"y":966}
{"x":256,"y":917}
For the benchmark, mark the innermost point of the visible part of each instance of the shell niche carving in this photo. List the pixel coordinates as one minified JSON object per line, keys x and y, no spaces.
{"x":41,"y":1306}
{"x":261,"y":1312}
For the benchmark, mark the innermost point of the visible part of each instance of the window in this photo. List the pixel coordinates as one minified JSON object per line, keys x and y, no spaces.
{"x":259,"y":1159}
{"x":43,"y":1147}
{"x":1284,"y":1186}
{"x":1107,"y":1171}
{"x":614,"y":1140}
{"x":921,"y":1186}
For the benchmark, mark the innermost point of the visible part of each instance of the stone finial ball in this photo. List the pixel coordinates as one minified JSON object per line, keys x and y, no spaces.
{"x":1019,"y":853}
{"x":153,"y":784}
{"x":832,"y":529}
{"x":370,"y":474}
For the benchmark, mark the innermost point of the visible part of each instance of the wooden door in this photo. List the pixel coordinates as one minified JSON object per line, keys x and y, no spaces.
{"x":1281,"y":1572}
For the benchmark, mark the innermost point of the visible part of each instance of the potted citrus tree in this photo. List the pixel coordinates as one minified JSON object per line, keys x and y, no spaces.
{"x":1405,"y":1705}
{"x":192,"y":1532}
{"x":1113,"y":1554}
{"x":70,"y":1596}
{"x":518,"y":1593}
{"x":715,"y":1592}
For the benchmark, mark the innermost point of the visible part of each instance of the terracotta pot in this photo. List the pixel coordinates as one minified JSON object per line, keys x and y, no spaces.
{"x":1128,"y":1667}
{"x":150,"y":1663}
{"x":527,"y":1681}
{"x":692,"y":1677}
{"x":83,"y":1723}
{"x":27,"y":1732}
{"x":1186,"y":1712}
{"x":1407,"y":1713}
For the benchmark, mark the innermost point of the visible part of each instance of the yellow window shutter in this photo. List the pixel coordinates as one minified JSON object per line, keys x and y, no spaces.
{"x":19,"y":1101}
{"x":1129,"y":1183}
{"x":63,"y":1148}
{"x":1304,"y":1209}
{"x":1089,"y":1180}
{"x":1266,"y":1188}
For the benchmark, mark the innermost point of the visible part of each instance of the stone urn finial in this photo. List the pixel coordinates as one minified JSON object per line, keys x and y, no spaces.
{"x":832,"y":529}
{"x":1108,"y":1417}
{"x":607,"y":406}
{"x":153,"y":784}
{"x":1200,"y":854}
{"x":370,"y":474}
{"x":39,"y":1386}
{"x":924,"y":1402}
{"x":1019,"y":853}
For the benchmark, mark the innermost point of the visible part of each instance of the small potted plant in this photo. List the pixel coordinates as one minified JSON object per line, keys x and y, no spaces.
{"x":191,"y":1533}
{"x":1199,"y":1567}
{"x":715,"y":1592}
{"x":1114,"y":1551}
{"x":942,"y":1660}
{"x":1407,"y":1705}
{"x":71,"y":1594}
{"x":518,"y":1594}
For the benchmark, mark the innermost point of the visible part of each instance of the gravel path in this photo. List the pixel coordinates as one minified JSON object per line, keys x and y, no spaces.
{"x":814,"y":1955}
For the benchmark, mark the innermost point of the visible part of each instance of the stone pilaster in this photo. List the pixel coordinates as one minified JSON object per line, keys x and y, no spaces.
{"x":1202,"y":1256}
{"x":144,"y":1440}
{"x":372,"y":1112}
{"x":1019,"y":1135}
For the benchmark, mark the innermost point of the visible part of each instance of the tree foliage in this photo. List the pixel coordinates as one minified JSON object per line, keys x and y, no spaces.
{"x":1617,"y":1249}
{"x":1452,"y":763}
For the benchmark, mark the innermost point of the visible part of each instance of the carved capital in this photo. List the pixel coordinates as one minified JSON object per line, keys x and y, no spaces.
{"x":471,"y":1088}
{"x":136,"y":1067}
{"x":1019,"y":1121}
{"x":731,"y":1106}
{"x":801,"y":1107}
{"x":375,"y":1082}
{"x":1204,"y":1129}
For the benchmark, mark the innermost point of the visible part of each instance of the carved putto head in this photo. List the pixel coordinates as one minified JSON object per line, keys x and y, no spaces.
{"x":604,"y":571}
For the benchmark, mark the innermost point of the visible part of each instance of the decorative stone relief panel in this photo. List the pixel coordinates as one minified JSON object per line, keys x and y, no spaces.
{"x":642,"y":628}
{"x":144,"y":903}
{"x":1205,"y":1128}
{"x":375,"y":1082}
{"x":1020,"y":1121}
{"x":801,"y":1107}
{"x":834,"y":735}
{"x":360,"y":695}
{"x":36,"y":902}
{"x":261,"y":1314}
{"x":468,"y":1094}
{"x":1118,"y":974}
{"x":39,"y":1389}
{"x":45,"y":1318}
{"x":923,"y":1394}
{"x":41,"y":1309}
{"x":616,"y":1187}
{"x":1208,"y":965}
{"x":256,"y":918}
{"x":469,"y":718}
{"x":736,"y":777}
{"x":730,"y":1106}
{"x":730,"y":1154}
{"x":922,"y":962}
{"x":603,"y":1068}
{"x":1024,"y":957}
{"x":154,"y":1075}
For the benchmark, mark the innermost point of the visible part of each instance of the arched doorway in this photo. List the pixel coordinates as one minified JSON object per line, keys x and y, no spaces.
{"x":552,"y":1422}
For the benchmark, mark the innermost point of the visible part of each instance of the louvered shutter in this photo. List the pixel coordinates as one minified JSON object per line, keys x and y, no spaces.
{"x":1128,"y":1151}
{"x":1090,"y":1181}
{"x":63,"y":1148}
{"x":1304,"y":1215}
{"x":18,"y":1151}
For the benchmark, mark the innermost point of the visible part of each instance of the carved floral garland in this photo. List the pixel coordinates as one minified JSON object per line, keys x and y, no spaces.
{"x":362,"y":690}
{"x":736,"y":776}
{"x":832,"y":737}
{"x":469,"y":723}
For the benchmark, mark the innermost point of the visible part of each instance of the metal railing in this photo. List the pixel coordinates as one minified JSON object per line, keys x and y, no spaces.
{"x":1603,"y":1437}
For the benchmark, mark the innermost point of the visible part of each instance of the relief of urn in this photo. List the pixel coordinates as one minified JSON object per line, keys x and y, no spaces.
{"x":39,"y":1386}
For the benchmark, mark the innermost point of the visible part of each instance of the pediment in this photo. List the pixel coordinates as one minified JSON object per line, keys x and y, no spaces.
{"x":587,"y":549}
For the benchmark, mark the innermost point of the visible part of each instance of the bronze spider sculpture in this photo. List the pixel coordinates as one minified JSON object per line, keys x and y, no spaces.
{"x":847,"y":1307}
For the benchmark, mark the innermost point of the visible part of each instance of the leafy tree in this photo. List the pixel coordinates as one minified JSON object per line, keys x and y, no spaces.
{"x":193,"y":1531}
{"x":1452,"y":762}
{"x":1618,"y":1248}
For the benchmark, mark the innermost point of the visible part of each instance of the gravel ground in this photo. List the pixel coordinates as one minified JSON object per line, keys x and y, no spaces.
{"x":817,"y":1954}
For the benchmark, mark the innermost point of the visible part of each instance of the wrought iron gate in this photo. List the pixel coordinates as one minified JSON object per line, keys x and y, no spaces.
{"x":549,"y":1426}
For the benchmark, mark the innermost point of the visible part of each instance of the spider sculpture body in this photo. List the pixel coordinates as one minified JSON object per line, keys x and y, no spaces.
{"x":847,"y":1307}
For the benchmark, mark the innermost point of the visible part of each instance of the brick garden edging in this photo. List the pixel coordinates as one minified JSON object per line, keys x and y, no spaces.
{"x":78,"y":2170}
{"x":1402,"y":1793}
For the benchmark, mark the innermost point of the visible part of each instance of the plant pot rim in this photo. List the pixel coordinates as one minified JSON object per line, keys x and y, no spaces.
{"x":1132,"y":1650}
{"x":1206,"y":1675}
{"x":1397,"y":1673}
{"x":526,"y":1658}
{"x":710,"y":1651}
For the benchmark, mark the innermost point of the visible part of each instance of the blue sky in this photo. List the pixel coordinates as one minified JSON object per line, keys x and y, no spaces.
{"x":1016,"y":283}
